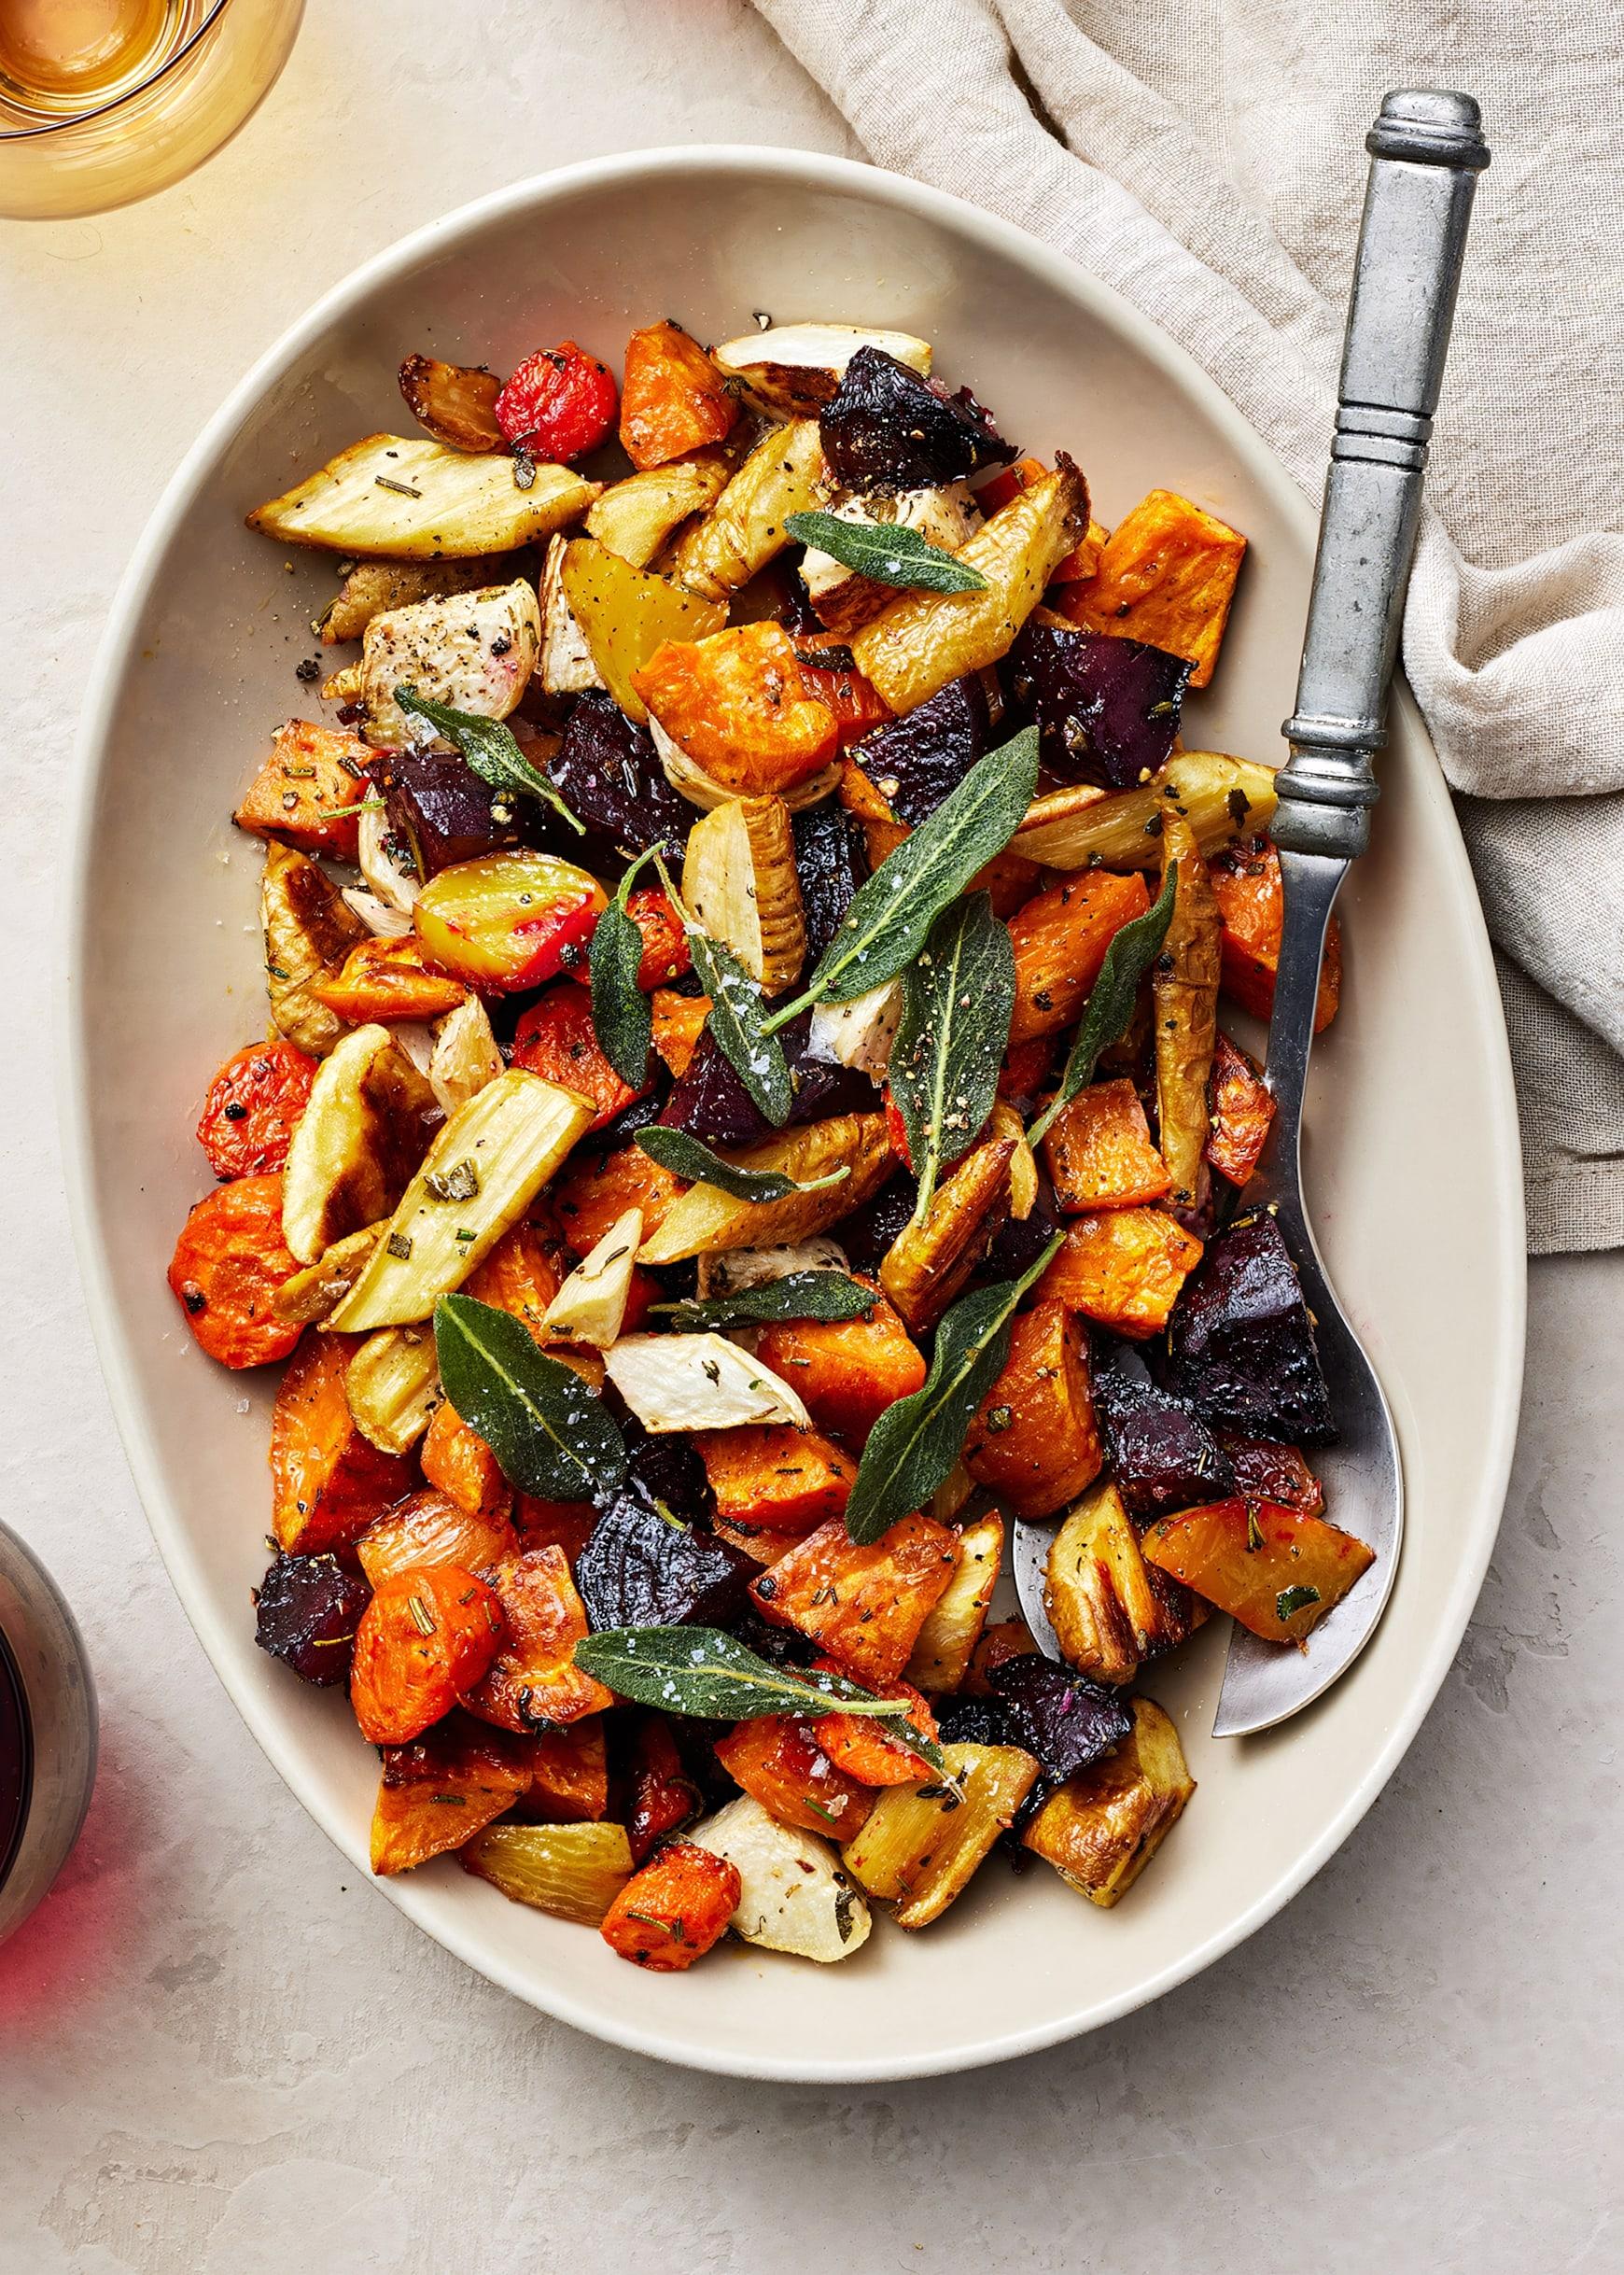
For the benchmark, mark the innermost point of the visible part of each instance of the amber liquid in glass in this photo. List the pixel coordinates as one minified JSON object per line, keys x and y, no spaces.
{"x":15,"y":1759}
{"x":60,"y":58}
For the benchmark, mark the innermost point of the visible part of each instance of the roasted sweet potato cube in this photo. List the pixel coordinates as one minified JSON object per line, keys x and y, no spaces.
{"x":946,"y":1644}
{"x":778,"y":1760}
{"x":679,"y":1023}
{"x":1242,"y":1109}
{"x":1034,"y":1443}
{"x":1108,"y":1608}
{"x":921,"y":1845}
{"x":874,"y":1751}
{"x":1099,"y":1153}
{"x":426,"y":1637}
{"x":387,"y":979}
{"x":534,"y":1680}
{"x":328,"y":1482}
{"x":772,"y":1474}
{"x":1124,"y":1268}
{"x":439,"y":1790}
{"x":1246,"y":884}
{"x":673,"y":398}
{"x":521,"y":1274}
{"x":430,"y":1528}
{"x":457,"y":1461}
{"x":567,"y":1774}
{"x":1060,"y":939}
{"x":596,"y":1194}
{"x":311,"y":773}
{"x":662,"y":1796}
{"x":1275,"y":1570}
{"x":1102,"y":1827}
{"x":1166,"y":575}
{"x":865,"y":1605}
{"x":845,"y":1371}
{"x":926,"y":1264}
{"x":669,"y":1914}
{"x":557,"y":1040}
{"x":740,"y":706}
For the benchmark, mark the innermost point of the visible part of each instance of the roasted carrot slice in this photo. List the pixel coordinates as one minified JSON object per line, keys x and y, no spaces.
{"x":567,"y":1771}
{"x":663,"y":1797}
{"x":1246,"y":884}
{"x":388,"y":979}
{"x":845,"y":1371}
{"x":776,"y":1760}
{"x":679,"y":1023}
{"x":598,"y":1194}
{"x":666,"y":954}
{"x":429,"y":1528}
{"x":440,"y":1790}
{"x":772,"y":1474}
{"x":867,"y":1750}
{"x":669,"y":1914}
{"x":557,"y":1039}
{"x":563,"y":1524}
{"x":328,"y":1482}
{"x":227,"y":1264}
{"x":1166,"y":575}
{"x":251,"y":1107}
{"x":458,"y":1462}
{"x":521,"y":1274}
{"x":1034,"y":1443}
{"x":1243,"y":1110}
{"x":741,"y":707}
{"x":1099,"y":1153}
{"x":426,"y":1637}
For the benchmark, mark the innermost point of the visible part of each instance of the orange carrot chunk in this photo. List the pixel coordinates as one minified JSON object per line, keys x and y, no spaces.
{"x":1243,"y":1110}
{"x":426,"y":1637}
{"x":301,"y":791}
{"x":778,"y":1760}
{"x":1099,"y":1153}
{"x":1060,"y":937}
{"x":868,"y":1750}
{"x":1246,"y":884}
{"x":669,"y":1914}
{"x":673,"y":398}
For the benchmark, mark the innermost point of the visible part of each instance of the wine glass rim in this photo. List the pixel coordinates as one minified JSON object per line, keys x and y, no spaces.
{"x":130,"y":94}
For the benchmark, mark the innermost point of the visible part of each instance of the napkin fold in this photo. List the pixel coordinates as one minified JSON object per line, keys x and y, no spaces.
{"x":1206,"y":158}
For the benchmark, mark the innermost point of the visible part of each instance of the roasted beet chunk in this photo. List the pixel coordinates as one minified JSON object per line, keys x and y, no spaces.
{"x":916,"y":763}
{"x":869,"y":1232}
{"x":1020,"y":1241}
{"x":1106,"y":709}
{"x":309,"y":1608}
{"x":712,"y":1103}
{"x":1277,"y":1473}
{"x":668,"y":1468}
{"x":642,"y":1569}
{"x":440,"y":809}
{"x":1059,"y":1715}
{"x":1241,"y":1347}
{"x":608,"y":773}
{"x":886,"y":429}
{"x":1160,"y":1453}
{"x":832,"y":862}
{"x":975,"y":1722}
{"x":778,"y":1646}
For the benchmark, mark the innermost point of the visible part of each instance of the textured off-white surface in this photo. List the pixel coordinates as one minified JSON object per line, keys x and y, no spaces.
{"x":219,"y":2051}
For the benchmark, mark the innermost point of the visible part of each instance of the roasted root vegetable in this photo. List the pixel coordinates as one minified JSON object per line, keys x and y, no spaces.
{"x":864,"y":1605}
{"x":846,"y":1372}
{"x":1246,"y":883}
{"x":457,"y":1463}
{"x":784,"y":1478}
{"x":473,"y":650}
{"x":626,"y":615}
{"x":1265,"y":1471}
{"x":1008,"y":483}
{"x":679,"y":1023}
{"x":593,"y":1196}
{"x":740,"y":881}
{"x":738,"y":705}
{"x":1101,"y":1828}
{"x":306,"y":1612}
{"x":1060,"y":937}
{"x":308,"y":933}
{"x":1099,"y":1154}
{"x":327,"y":1483}
{"x":706,"y":1219}
{"x":698,"y":1382}
{"x":673,"y":398}
{"x":1241,"y":1349}
{"x":400,"y":497}
{"x":568,"y":1774}
{"x":945,"y":1645}
{"x":1109,"y":1610}
{"x":1243,"y":1110}
{"x":924,"y":639}
{"x":746,"y":527}
{"x":484,"y":1169}
{"x":1166,"y":575}
{"x":1159,"y":1452}
{"x":393,"y":1386}
{"x":307,"y":790}
{"x":776,"y":1760}
{"x":363,"y":1133}
{"x":1106,"y":710}
{"x":371,"y":586}
{"x":456,"y":402}
{"x":1275,"y":1570}
{"x":878,"y":1754}
{"x":252,"y":1107}
{"x":557,"y":1039}
{"x":531,"y":1680}
{"x":928,"y":1263}
{"x":227,"y":1267}
{"x":386,"y":978}
{"x":792,"y":369}
{"x":438,"y":1792}
{"x":591,"y":1306}
{"x":920,"y":1846}
{"x":521,"y":1275}
{"x":574,"y":1872}
{"x":1034,"y":1441}
{"x":506,"y":921}
{"x":431,"y":1528}
{"x":793,"y":1895}
{"x":634,"y":517}
{"x":1123,"y":1268}
{"x":425,"y":1637}
{"x":670,"y":1913}
{"x":1185,"y":1009}
{"x":1222,"y":798}
{"x":844,"y":598}
{"x":661,"y":1797}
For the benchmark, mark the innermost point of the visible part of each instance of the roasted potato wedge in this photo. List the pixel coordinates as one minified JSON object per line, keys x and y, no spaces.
{"x":927,"y":1264}
{"x":1185,"y":995}
{"x":792,"y":369}
{"x":1222,"y":798}
{"x":373,"y":587}
{"x":921,"y":1845}
{"x":1164,"y":575}
{"x":946,"y":1644}
{"x":455,"y":402}
{"x":400,"y":497}
{"x":784,"y":474}
{"x":633,"y":518}
{"x":308,"y":933}
{"x":366,"y":1128}
{"x":1102,"y":1827}
{"x":474,"y":651}
{"x":740,"y":880}
{"x":1109,"y":1610}
{"x":705,"y":1219}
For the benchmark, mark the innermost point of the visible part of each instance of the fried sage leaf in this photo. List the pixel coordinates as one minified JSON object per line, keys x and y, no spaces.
{"x":490,"y":748}
{"x":828,"y":1296}
{"x":551,"y":1434}
{"x":887,"y":552}
{"x":958,"y":1001}
{"x":891,"y":915}
{"x":1110,"y":1000}
{"x":738,"y":1014}
{"x":916,"y":1442}
{"x":691,"y":1158}
{"x":622,"y":1017}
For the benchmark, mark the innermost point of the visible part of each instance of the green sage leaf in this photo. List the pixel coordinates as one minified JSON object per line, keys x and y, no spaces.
{"x":829,"y":1296}
{"x":958,"y":1001}
{"x":622,"y":1017}
{"x":887,"y":552}
{"x":738,"y":1020}
{"x":916,"y":1442}
{"x":1110,"y":1000}
{"x":1290,"y":1601}
{"x":691,"y":1157}
{"x":550,"y":1435}
{"x":490,"y":748}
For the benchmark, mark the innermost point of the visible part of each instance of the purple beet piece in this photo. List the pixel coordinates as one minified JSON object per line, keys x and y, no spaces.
{"x":868,"y":1233}
{"x":1161,"y":1455}
{"x":974,"y":1722}
{"x":640,"y":1569}
{"x":1240,"y":1345}
{"x":886,"y":429}
{"x":832,"y":858}
{"x":440,"y":809}
{"x":667,"y":1466}
{"x":608,"y":775}
{"x":1059,"y":1715}
{"x":1106,"y":709}
{"x":307,"y":1611}
{"x":916,"y":762}
{"x":777,"y":1646}
{"x":1019,"y":1242}
{"x":1267,"y":1473}
{"x":712,"y":1103}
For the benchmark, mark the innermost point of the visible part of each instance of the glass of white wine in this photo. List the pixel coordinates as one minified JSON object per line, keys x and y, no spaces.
{"x":104,"y":101}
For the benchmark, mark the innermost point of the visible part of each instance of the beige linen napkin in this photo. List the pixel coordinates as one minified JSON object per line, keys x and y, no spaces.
{"x":1206,"y":158}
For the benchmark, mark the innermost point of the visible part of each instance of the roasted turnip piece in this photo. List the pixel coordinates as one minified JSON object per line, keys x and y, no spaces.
{"x":307,"y":1609}
{"x":915,"y":763}
{"x":1241,"y":1345}
{"x":639,"y":1569}
{"x":829,"y":853}
{"x":1160,"y":1452}
{"x":442,"y":810}
{"x":1067,"y":1722}
{"x":1106,"y":710}
{"x":886,"y":429}
{"x":608,"y":776}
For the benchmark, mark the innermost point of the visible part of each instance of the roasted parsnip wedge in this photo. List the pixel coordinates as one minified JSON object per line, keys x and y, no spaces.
{"x":566,"y":665}
{"x":475,"y":651}
{"x":591,"y":1306}
{"x":373,"y":587}
{"x":1184,"y":997}
{"x":705,"y":1219}
{"x":1102,"y":1828}
{"x":922,"y":1844}
{"x":317,"y":1292}
{"x":575,"y":1872}
{"x":784,"y":474}
{"x":924,"y":639}
{"x":1222,"y":798}
{"x":740,"y":880}
{"x":392,"y":1386}
{"x":953,"y":1626}
{"x":634,"y":517}
{"x":481,"y":1174}
{"x":464,"y":1056}
{"x":388,"y":866}
{"x":308,"y":932}
{"x":1111,"y":1610}
{"x":698,"y":1382}
{"x":927,"y":1264}
{"x":792,"y":369}
{"x":793,"y":1894}
{"x":732,"y":1269}
{"x":402,"y":497}
{"x":366,"y":1128}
